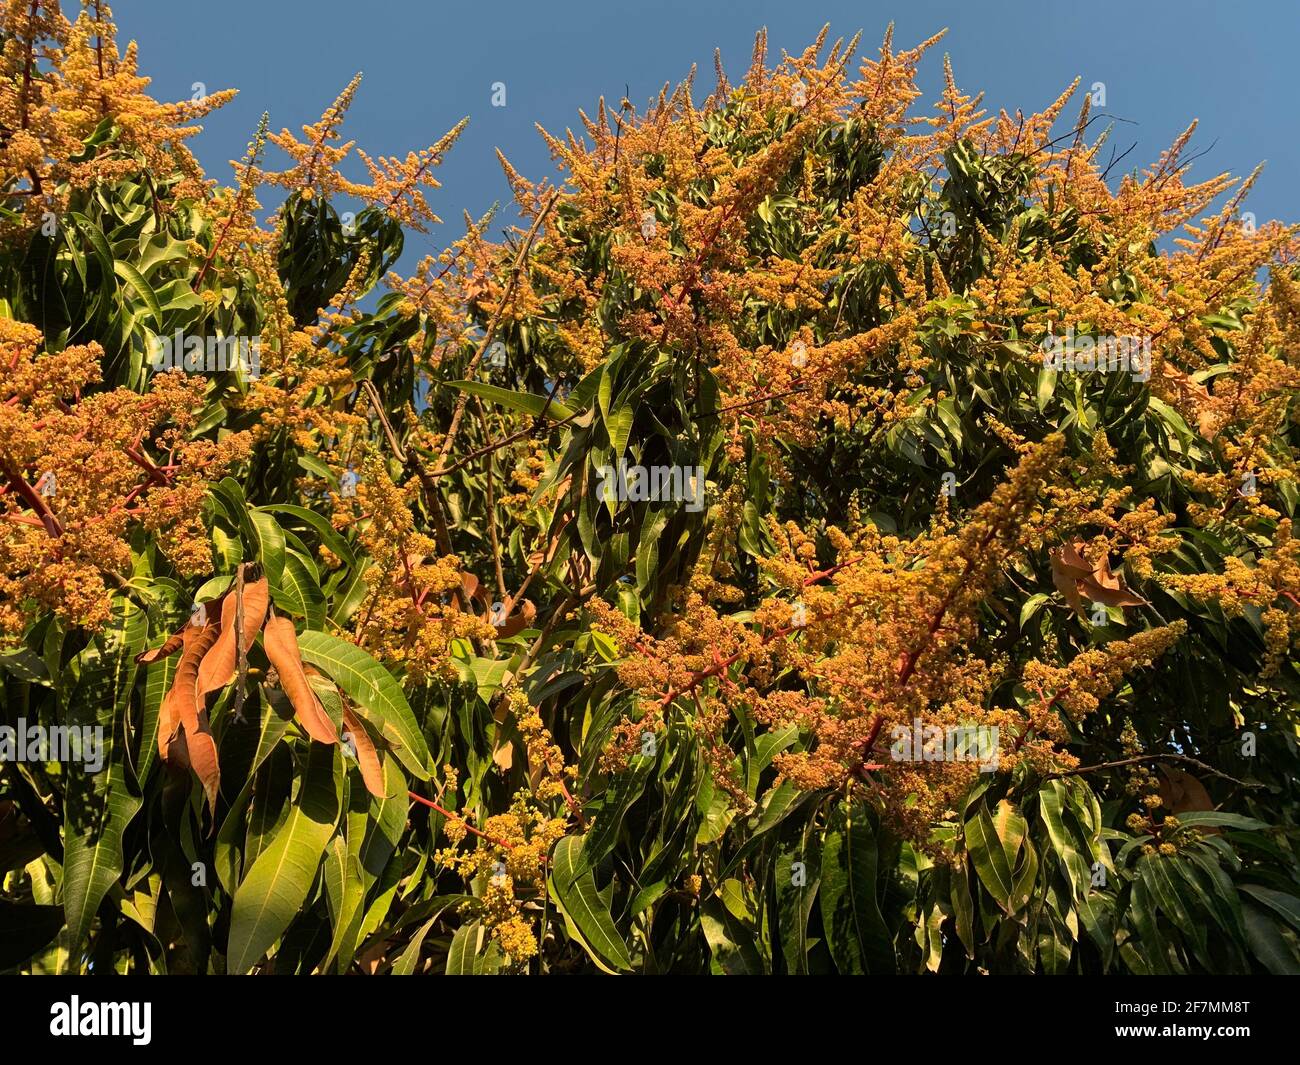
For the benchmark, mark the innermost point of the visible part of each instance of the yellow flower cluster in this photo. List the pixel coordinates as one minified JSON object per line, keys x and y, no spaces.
{"x":547,"y":771}
{"x":509,"y":861}
{"x":881,"y":641}
{"x":59,"y":81}
{"x":82,"y":469}
{"x":411,"y":614}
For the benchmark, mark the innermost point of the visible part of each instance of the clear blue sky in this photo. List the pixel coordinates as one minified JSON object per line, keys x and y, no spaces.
{"x":428,"y":63}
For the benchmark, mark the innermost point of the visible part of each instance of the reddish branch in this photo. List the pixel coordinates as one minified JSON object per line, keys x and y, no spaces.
{"x":456,"y":817}
{"x":33,"y":499}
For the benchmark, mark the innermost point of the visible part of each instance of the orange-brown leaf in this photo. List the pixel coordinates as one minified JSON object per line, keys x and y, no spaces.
{"x":1183,"y":793}
{"x":1067,"y":585}
{"x":518,"y":621}
{"x":281,"y":645}
{"x":473,"y":588}
{"x":1104,"y":587}
{"x":1075,"y":577}
{"x":184,"y":737}
{"x":372,"y":769}
{"x":1069,"y":560}
{"x":219,"y":665}
{"x":168,"y":648}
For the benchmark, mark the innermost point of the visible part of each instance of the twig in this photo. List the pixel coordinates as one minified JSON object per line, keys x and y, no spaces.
{"x":1152,"y":758}
{"x":492,"y":508}
{"x":459,"y":411}
{"x":490,"y":448}
{"x":241,"y":652}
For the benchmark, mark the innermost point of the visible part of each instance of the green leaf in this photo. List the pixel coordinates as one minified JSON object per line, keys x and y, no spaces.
{"x":993,"y":843}
{"x":464,"y":947}
{"x":320,"y":525}
{"x":143,"y":289}
{"x":797,"y":873}
{"x":26,"y":930}
{"x":1268,"y":944}
{"x":269,"y":542}
{"x":158,"y":679}
{"x":1046,"y":386}
{"x":467,"y":955}
{"x":1285,"y":906}
{"x":1032,"y":606}
{"x":1167,"y":894}
{"x":856,"y":933}
{"x":298,"y":592}
{"x":1220,"y":819}
{"x":378,"y":696}
{"x":234,"y":830}
{"x":619,"y":427}
{"x":1053,"y":797}
{"x":276,"y":887}
{"x":405,"y":965}
{"x":575,"y":890}
{"x":963,"y":907}
{"x":344,"y":895}
{"x":526,"y":402}
{"x":98,"y":806}
{"x":732,"y":942}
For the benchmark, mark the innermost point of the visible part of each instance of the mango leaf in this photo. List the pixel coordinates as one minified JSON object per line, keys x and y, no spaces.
{"x":277,"y":885}
{"x":269,"y":544}
{"x":378,"y":697}
{"x":526,"y":402}
{"x":731,"y":943}
{"x":405,"y":964}
{"x":344,"y":894}
{"x":468,"y":955}
{"x":993,"y":843}
{"x":26,"y":930}
{"x":298,"y":592}
{"x":1220,"y":819}
{"x":320,"y":525}
{"x":574,"y":886}
{"x":98,"y":806}
{"x":1285,"y":906}
{"x":856,"y":933}
{"x":619,"y":427}
{"x":1268,"y":944}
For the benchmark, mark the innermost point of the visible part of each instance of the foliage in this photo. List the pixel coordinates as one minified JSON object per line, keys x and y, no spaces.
{"x":335,"y":740}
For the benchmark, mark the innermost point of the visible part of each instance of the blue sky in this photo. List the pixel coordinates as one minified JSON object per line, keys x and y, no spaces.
{"x":428,"y":64}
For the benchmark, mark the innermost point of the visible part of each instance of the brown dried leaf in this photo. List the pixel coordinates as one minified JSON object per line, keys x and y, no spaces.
{"x":1195,"y":396}
{"x":1068,"y":558}
{"x":219,"y":665}
{"x":169,"y":648}
{"x":280,"y":642}
{"x":1067,"y":583}
{"x":518,"y":621}
{"x":372,"y":769}
{"x":1073,"y":574}
{"x":1183,"y":793}
{"x":184,"y":737}
{"x":473,"y":588}
{"x":1103,"y":586}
